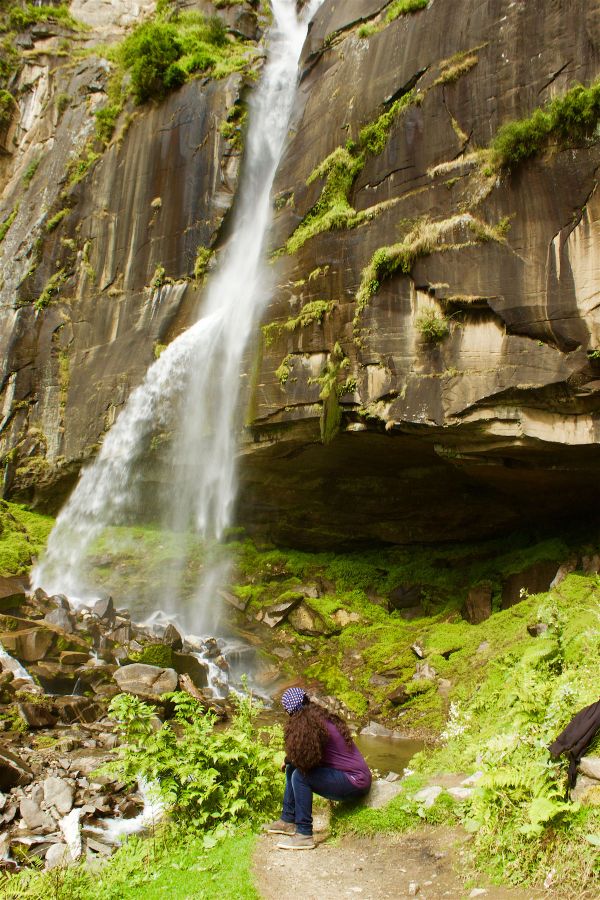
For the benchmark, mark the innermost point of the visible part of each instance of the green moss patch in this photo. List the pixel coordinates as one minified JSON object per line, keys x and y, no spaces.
{"x":23,"y":535}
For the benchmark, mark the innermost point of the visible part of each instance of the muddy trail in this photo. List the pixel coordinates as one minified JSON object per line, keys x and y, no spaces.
{"x":426,"y":864}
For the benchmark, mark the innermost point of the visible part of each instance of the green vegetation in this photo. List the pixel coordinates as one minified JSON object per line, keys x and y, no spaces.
{"x":233,"y":129}
{"x":207,"y":777}
{"x":311,"y":313}
{"x":79,"y":167}
{"x":106,"y":120}
{"x":56,"y":219}
{"x":154,"y":655}
{"x":173,"y":864}
{"x":30,"y":171}
{"x":402,"y":8}
{"x":396,"y":9}
{"x":164,"y":52}
{"x":5,"y":225}
{"x":339,"y":171}
{"x":21,"y":16}
{"x":424,"y":238}
{"x":566,"y":121}
{"x":23,"y":535}
{"x":202,"y":262}
{"x":458,"y":65}
{"x":432,"y":326}
{"x":331,"y":391}
{"x":7,"y":107}
{"x":51,"y":289}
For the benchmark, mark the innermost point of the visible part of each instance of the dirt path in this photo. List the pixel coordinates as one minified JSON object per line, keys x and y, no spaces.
{"x":425,"y":864}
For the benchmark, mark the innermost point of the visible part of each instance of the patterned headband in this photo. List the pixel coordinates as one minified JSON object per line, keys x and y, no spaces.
{"x":293,"y":699}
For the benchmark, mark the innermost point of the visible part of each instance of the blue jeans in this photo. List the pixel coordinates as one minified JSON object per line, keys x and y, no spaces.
{"x":297,"y":799}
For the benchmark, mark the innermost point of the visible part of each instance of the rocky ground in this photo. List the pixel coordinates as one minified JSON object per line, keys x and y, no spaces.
{"x":59,"y":671}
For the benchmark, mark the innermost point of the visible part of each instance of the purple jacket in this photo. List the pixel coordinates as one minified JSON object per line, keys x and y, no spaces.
{"x":337,"y":755}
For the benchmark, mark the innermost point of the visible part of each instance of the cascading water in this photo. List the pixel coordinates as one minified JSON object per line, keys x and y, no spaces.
{"x":193,"y":389}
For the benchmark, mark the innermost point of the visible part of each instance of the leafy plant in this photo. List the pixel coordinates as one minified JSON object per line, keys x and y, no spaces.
{"x":432,"y":326}
{"x":206,"y":776}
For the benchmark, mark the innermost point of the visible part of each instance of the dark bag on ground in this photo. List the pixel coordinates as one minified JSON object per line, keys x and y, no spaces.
{"x":576,"y":737}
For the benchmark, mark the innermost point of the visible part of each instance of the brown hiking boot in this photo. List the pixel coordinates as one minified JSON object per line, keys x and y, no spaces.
{"x":280,"y":827}
{"x":297,"y":842}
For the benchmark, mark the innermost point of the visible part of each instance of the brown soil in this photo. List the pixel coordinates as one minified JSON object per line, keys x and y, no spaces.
{"x":378,"y":868}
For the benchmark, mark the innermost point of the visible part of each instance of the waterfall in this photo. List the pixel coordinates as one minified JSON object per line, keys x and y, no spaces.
{"x":193,"y":390}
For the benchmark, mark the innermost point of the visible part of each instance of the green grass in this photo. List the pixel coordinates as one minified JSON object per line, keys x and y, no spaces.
{"x":5,"y":225}
{"x":568,"y":120}
{"x":173,"y":864}
{"x":21,"y":16}
{"x":339,"y":171}
{"x":23,"y":534}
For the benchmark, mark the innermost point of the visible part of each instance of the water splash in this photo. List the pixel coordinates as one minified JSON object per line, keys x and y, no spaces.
{"x":194,"y":386}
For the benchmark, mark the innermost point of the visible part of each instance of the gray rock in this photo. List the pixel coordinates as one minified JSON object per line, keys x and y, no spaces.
{"x":14,"y":771}
{"x":590,"y":766}
{"x":417,"y":649}
{"x":283,"y":652}
{"x":427,"y":796}
{"x":538,"y":629}
{"x":38,"y":715}
{"x":425,"y":672}
{"x":188,"y":664}
{"x":34,"y":816}
{"x":382,"y":791}
{"x":279,"y":612}
{"x":460,"y":793}
{"x":103,"y":609}
{"x":62,"y":618}
{"x":59,"y":794}
{"x":534,"y":579}
{"x":58,"y":856}
{"x":144,"y":680}
{"x":172,"y":638}
{"x":583,"y":787}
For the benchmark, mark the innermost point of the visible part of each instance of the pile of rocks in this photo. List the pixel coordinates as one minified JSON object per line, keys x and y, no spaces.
{"x":58,"y":672}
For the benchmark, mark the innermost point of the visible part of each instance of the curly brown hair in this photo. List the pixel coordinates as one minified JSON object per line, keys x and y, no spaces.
{"x":306,"y":735}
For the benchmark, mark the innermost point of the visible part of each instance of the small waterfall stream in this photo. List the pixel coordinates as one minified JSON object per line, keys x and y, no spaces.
{"x":193,"y":390}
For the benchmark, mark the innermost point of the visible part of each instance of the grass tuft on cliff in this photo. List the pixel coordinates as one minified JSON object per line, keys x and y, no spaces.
{"x":567,"y":121}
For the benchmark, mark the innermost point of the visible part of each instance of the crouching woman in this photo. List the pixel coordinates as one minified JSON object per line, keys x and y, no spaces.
{"x":321,"y":758}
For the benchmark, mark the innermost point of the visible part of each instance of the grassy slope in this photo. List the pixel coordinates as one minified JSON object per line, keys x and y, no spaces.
{"x":168,"y":866}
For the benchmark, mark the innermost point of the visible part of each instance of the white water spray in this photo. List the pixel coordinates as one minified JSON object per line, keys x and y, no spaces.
{"x":197,"y":378}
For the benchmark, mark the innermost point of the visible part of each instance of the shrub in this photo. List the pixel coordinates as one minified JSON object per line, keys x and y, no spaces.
{"x":7,"y":107}
{"x":151,"y":53}
{"x":207,"y":777}
{"x":432,"y":326}
{"x":21,"y":17}
{"x":569,"y":119}
{"x":404,"y":7}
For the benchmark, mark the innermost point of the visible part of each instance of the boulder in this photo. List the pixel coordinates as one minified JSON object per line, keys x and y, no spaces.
{"x":535,"y":579}
{"x":425,"y":672}
{"x":28,"y":645}
{"x":586,"y":790}
{"x":382,"y":791}
{"x":537,"y":629}
{"x":74,"y":658}
{"x":61,"y":618}
{"x":399,"y":697}
{"x":58,"y":856}
{"x":344,"y":617}
{"x":78,"y":709}
{"x":188,"y":664}
{"x":146,"y":681}
{"x":14,"y":772}
{"x":376,"y":729}
{"x":306,"y":620}
{"x":12,"y":593}
{"x":59,"y":794}
{"x":417,"y":649}
{"x":103,"y":609}
{"x":38,"y":713}
{"x":590,"y":766}
{"x":172,"y":638}
{"x":405,"y":596}
{"x":34,"y":816}
{"x":427,"y":796}
{"x":478,"y":605}
{"x":232,"y":600}
{"x":279,"y":612}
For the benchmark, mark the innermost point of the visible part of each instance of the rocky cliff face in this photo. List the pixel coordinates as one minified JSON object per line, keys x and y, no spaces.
{"x":468,"y":383}
{"x":428,"y":369}
{"x":86,"y":302}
